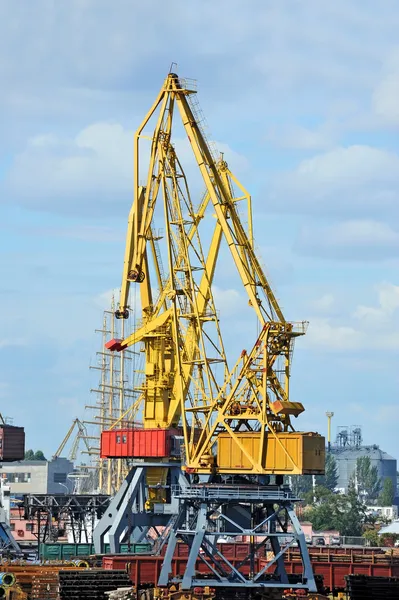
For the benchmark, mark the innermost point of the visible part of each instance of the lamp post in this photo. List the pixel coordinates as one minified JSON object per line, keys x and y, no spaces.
{"x":329,"y":416}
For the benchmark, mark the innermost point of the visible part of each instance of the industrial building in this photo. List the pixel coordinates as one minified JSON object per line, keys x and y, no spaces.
{"x":38,"y":476}
{"x":349,"y":447}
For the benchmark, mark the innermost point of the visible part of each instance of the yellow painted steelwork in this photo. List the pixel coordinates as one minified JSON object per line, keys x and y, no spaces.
{"x":291,"y":453}
{"x":187,"y":380}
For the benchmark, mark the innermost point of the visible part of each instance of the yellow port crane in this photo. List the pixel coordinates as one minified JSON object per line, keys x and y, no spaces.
{"x":211,"y":435}
{"x":81,"y":434}
{"x":239,"y":412}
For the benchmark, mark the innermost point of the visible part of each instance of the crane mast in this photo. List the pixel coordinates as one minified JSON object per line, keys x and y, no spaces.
{"x":211,"y":421}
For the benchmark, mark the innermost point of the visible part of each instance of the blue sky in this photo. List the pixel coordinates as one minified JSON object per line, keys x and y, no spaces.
{"x":301,"y":97}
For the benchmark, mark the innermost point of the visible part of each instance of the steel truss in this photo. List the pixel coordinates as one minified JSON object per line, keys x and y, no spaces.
{"x":264,"y":513}
{"x":54,"y":512}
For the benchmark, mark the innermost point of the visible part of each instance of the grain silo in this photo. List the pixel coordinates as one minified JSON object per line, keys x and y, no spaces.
{"x":349,"y":447}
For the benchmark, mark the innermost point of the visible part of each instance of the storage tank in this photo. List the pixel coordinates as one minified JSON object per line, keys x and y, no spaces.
{"x":12,"y":443}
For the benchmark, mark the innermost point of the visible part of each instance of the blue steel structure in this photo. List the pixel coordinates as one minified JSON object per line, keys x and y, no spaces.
{"x":264,"y":513}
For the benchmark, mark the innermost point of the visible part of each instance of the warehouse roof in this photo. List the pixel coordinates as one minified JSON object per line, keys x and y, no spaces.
{"x":391,"y":528}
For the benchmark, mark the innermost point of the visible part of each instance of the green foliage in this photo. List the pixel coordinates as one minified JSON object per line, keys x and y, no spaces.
{"x":39,"y":455}
{"x":330,"y":479}
{"x":344,"y":513}
{"x":372,"y":536}
{"x":386,"y":497}
{"x":368,"y":482}
{"x":301,"y":484}
{"x":31,"y":455}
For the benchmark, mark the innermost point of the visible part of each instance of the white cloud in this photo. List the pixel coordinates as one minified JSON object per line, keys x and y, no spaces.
{"x":323,"y":333}
{"x":92,"y":172}
{"x":104,"y":300}
{"x":352,"y":181}
{"x":228,"y":302}
{"x":388,"y":303}
{"x":362,"y":239}
{"x":366,"y":328}
{"x":299,"y":137}
{"x":324,"y":304}
{"x":68,"y":175}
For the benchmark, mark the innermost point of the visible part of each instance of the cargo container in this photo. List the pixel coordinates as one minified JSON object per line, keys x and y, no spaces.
{"x":138,"y":443}
{"x":307,"y":451}
{"x":64,"y":551}
{"x":12,"y":443}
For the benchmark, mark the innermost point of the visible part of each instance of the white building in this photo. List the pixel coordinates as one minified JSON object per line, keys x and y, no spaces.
{"x":38,"y":476}
{"x":387,"y":512}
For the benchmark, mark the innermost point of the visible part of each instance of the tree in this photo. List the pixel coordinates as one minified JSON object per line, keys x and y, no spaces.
{"x":300,"y":484}
{"x":31,"y":455}
{"x":342,"y":512}
{"x":353,"y":516}
{"x":39,"y":455}
{"x":387,"y":494}
{"x":330,"y":479}
{"x":371,"y":535}
{"x":368,"y":482}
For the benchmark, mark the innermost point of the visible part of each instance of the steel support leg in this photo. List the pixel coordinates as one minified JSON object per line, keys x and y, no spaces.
{"x":275,"y":544}
{"x":195,"y":547}
{"x":166,"y":569}
{"x":115,"y":518}
{"x":125,"y":519}
{"x":307,"y":565}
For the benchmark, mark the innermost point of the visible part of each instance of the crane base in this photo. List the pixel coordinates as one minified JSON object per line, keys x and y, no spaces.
{"x":127,"y":518}
{"x":264,"y":514}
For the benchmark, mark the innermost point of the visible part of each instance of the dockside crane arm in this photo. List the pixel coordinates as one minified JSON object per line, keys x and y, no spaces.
{"x":64,"y":442}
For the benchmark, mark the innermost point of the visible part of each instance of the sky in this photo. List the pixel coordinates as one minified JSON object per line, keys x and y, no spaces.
{"x":302,"y":97}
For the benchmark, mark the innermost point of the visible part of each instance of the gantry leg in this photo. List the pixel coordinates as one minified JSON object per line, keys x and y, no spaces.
{"x":119,"y":512}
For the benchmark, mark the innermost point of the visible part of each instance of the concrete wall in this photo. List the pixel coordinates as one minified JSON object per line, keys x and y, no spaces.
{"x":25,"y":477}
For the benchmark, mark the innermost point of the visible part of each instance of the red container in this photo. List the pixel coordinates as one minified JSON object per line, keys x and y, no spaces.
{"x":12,"y":443}
{"x":136,"y":443}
